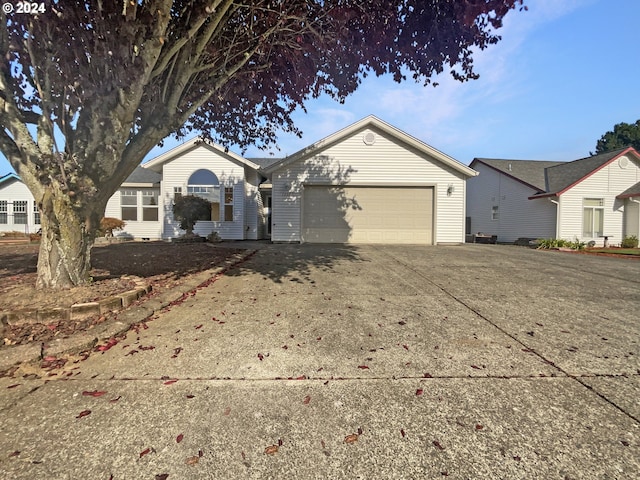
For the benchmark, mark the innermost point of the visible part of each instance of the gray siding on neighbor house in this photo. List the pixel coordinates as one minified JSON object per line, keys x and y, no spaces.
{"x":350,"y":161}
{"x":518,"y":216}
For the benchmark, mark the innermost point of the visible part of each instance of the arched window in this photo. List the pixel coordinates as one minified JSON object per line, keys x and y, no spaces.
{"x":204,"y":183}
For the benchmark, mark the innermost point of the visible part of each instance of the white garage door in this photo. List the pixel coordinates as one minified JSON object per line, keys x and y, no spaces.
{"x":367,"y":215}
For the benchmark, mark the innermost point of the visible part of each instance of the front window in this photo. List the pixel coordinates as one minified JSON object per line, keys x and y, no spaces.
{"x":3,"y":212}
{"x":228,"y":204}
{"x":149,"y":205}
{"x":205,"y":184}
{"x":20,"y":212}
{"x":593,"y":217}
{"x":129,"y":205}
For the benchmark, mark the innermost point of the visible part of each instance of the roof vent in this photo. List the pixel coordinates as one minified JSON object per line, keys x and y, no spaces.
{"x":509,"y":167}
{"x":623,"y":162}
{"x":369,"y":138}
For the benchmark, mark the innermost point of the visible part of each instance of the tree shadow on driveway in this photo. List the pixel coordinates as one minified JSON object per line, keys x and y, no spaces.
{"x":296,"y":262}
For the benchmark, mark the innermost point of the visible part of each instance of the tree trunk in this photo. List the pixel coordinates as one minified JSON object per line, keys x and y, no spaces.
{"x":68,"y":233}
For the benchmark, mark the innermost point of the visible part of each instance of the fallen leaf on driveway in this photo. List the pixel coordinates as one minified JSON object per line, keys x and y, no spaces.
{"x":419,"y":392}
{"x":192,"y":460}
{"x":14,"y":385}
{"x":169,"y":382}
{"x":162,"y":476}
{"x":144,"y":452}
{"x":179,"y":438}
{"x":95,"y":393}
{"x":307,"y":399}
{"x":353,"y":438}
{"x":271,"y":449}
{"x":84,"y":413}
{"x":437,"y":445}
{"x":363,"y":367}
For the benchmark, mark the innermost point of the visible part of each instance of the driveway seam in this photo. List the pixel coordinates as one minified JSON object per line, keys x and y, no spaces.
{"x":514,"y":338}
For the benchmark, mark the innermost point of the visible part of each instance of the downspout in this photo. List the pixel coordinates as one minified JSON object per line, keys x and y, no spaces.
{"x":557,"y":203}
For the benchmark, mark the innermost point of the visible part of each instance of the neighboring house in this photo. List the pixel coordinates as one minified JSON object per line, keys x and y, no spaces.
{"x":18,"y":210}
{"x":367,"y":183}
{"x":586,"y":199}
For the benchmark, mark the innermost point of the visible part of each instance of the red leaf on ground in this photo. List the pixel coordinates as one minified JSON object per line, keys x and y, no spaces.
{"x":419,"y":392}
{"x":179,"y":438}
{"x":476,"y":367}
{"x":144,"y":452}
{"x":150,"y":347}
{"x":198,"y":327}
{"x":301,"y":377}
{"x":405,"y":347}
{"x":279,"y":442}
{"x":260,"y":357}
{"x":83,"y":413}
{"x":190,"y":396}
{"x":402,"y":433}
{"x":227,"y":411}
{"x":437,"y":445}
{"x":14,"y":385}
{"x":359,"y":431}
{"x":200,"y":453}
{"x":14,"y":453}
{"x":52,"y":327}
{"x":169,"y":382}
{"x":95,"y":393}
{"x":49,"y":358}
{"x":402,"y":322}
{"x":114,"y":400}
{"x":162,"y":476}
{"x":427,"y":375}
{"x":307,"y":399}
{"x":479,"y":427}
{"x":363,"y":367}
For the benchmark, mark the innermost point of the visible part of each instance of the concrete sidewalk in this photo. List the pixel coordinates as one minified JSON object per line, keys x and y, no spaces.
{"x":472,"y":361}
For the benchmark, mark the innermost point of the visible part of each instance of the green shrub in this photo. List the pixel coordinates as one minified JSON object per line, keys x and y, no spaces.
{"x":630,"y":241}
{"x":189,"y":209}
{"x":547,"y":243}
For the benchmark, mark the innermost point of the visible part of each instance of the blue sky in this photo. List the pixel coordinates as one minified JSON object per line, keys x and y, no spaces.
{"x":565,"y":72}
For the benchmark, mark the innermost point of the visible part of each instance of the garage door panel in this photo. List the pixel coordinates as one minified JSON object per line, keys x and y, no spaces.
{"x":367,"y":214}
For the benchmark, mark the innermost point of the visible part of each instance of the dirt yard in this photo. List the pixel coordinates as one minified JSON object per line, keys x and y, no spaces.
{"x":161,"y":264}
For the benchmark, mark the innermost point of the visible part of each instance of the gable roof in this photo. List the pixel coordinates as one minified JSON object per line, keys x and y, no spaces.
{"x":565,"y":175}
{"x":555,"y":178}
{"x":157,"y":162}
{"x":9,"y":176}
{"x":374,"y":122}
{"x":529,"y":172}
{"x":264,"y":162}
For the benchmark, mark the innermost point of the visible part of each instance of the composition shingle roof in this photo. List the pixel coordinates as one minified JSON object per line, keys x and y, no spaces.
{"x":143,"y":175}
{"x":564,"y":175}
{"x":531,"y":172}
{"x":633,"y":191}
{"x":264,"y":162}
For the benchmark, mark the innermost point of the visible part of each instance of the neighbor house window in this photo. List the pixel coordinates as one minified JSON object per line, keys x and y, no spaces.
{"x":149,"y":205}
{"x":204,"y":183}
{"x":592,"y":217}
{"x":129,"y":204}
{"x":228,"y":204}
{"x":20,"y":212}
{"x":36,"y":214}
{"x":177,"y":193}
{"x":3,"y":212}
{"x":494,"y":213}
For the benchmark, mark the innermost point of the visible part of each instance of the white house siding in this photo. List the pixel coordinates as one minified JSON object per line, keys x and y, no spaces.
{"x":606,"y":183}
{"x":137,"y":229}
{"x":518,"y":217}
{"x":176,"y":173}
{"x":252,"y":205}
{"x":387,"y":162}
{"x":11,"y":191}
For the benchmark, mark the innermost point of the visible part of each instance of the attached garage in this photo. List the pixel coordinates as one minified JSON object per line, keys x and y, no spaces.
{"x":365,"y":214}
{"x":369,"y":183}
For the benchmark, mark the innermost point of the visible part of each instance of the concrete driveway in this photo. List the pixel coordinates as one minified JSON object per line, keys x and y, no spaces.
{"x":473,"y":361}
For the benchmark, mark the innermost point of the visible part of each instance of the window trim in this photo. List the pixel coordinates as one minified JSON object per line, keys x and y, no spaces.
{"x":593,"y":231}
{"x":20,"y":212}
{"x":495,"y":212}
{"x":228,"y":203}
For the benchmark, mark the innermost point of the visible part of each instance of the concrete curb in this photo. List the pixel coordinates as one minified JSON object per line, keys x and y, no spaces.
{"x":131,"y":314}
